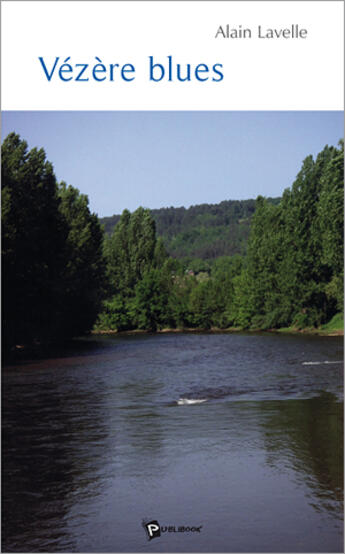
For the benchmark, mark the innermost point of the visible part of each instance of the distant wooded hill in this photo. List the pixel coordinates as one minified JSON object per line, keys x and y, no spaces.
{"x":204,"y":231}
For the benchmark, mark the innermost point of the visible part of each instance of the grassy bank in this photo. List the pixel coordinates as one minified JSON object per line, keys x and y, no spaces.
{"x":333,"y":328}
{"x":335,"y":325}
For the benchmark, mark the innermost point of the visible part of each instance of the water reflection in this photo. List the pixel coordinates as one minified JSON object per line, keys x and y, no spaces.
{"x":93,"y":443}
{"x":49,"y":462}
{"x":134,"y":414}
{"x":307,"y":436}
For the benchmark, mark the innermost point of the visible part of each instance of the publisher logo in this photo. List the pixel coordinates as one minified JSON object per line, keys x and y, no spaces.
{"x":153,"y":529}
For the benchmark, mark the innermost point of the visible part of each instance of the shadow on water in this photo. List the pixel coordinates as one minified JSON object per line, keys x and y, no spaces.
{"x":307,"y":435}
{"x":24,"y":355}
{"x":48,"y":463}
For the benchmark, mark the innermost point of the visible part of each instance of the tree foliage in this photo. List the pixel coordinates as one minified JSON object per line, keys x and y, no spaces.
{"x":204,"y":231}
{"x":51,"y":251}
{"x":60,"y":272}
{"x":84,"y":271}
{"x":293,"y":273}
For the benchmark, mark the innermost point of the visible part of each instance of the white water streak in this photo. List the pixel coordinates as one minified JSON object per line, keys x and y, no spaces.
{"x":321,"y":363}
{"x":187,"y":401}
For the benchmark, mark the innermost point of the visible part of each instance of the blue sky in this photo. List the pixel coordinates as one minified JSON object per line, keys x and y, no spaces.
{"x":155,"y":159}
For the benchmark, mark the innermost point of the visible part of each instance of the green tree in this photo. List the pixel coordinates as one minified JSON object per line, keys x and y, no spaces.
{"x":141,"y":242}
{"x":309,"y":271}
{"x":160,"y":254}
{"x":84,"y":273}
{"x":137,"y":295}
{"x":179,"y":300}
{"x":33,"y":235}
{"x":293,"y":270}
{"x":131,"y":250}
{"x":152,"y":300}
{"x":116,"y":314}
{"x":258,"y":278}
{"x":331,"y":216}
{"x":200,"y":305}
{"x":51,"y":251}
{"x":116,"y":250}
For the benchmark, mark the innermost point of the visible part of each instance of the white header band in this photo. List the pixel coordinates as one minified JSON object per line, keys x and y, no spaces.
{"x":193,"y":55}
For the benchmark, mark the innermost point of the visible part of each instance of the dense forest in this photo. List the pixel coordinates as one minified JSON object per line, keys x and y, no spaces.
{"x":63,"y":275}
{"x":204,"y":231}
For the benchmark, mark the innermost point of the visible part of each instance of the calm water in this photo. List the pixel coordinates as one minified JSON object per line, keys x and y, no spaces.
{"x":94,"y":442}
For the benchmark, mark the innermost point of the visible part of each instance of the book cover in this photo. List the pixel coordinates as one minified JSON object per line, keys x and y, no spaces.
{"x":172,"y":284}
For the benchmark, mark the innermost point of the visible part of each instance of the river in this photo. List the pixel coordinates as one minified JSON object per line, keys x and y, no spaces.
{"x":230,"y":442}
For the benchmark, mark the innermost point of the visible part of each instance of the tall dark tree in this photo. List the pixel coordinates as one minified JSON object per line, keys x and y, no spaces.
{"x":331,"y":217}
{"x":51,"y":251}
{"x":130,"y":250}
{"x":33,"y":235}
{"x":84,"y":274}
{"x":293,"y":271}
{"x":303,"y":247}
{"x":131,"y":253}
{"x":142,"y":242}
{"x":116,"y":250}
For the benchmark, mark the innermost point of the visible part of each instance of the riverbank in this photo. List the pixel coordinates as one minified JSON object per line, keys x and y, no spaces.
{"x":326,"y":330}
{"x":310,"y":331}
{"x":335,"y":327}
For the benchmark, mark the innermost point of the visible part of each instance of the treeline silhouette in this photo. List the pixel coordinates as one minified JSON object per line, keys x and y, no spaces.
{"x":62,"y":274}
